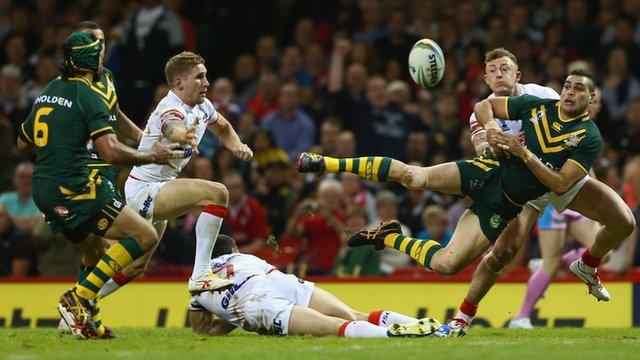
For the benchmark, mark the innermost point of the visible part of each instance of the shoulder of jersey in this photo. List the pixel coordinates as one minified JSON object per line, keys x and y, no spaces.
{"x":544,"y":92}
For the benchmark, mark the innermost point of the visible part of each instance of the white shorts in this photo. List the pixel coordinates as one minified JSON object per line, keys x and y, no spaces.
{"x":559,"y":202}
{"x":269,"y":304}
{"x":141,"y":196}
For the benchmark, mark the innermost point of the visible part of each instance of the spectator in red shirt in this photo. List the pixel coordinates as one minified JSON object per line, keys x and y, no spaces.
{"x":267,"y":99}
{"x":246,"y":218}
{"x":320,"y":223}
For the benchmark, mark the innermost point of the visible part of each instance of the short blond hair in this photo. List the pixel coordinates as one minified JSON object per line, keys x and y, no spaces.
{"x":498,"y":53}
{"x":181,"y":64}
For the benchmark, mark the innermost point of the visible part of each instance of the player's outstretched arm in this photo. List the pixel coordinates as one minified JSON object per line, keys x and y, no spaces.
{"x":486,"y":112}
{"x":203,"y":322}
{"x":116,"y":153}
{"x":230,"y":139}
{"x":557,"y":181}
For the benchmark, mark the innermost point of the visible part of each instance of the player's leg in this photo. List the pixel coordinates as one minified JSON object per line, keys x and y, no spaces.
{"x":307,"y":321}
{"x":179,"y":196}
{"x":551,"y":237}
{"x":599,"y":202}
{"x":490,"y":267}
{"x":444,"y":178}
{"x":328,"y":304}
{"x":131,"y":271}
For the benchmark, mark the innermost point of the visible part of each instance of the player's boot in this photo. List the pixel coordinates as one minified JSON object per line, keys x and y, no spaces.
{"x":63,"y":328}
{"x":375,"y":237}
{"x":522,"y":323}
{"x":310,"y":163}
{"x":421,"y":328}
{"x":76,"y":312}
{"x":208,"y":282}
{"x":455,"y":328}
{"x":591,"y":278}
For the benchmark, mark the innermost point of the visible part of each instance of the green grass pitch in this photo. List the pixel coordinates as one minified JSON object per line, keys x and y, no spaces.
{"x":176,"y":343}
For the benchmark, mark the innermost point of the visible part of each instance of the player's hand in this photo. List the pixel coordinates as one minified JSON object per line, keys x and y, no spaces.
{"x":512,"y":144}
{"x":190,"y":136}
{"x":242,"y":151}
{"x":163,"y":153}
{"x":492,"y":136}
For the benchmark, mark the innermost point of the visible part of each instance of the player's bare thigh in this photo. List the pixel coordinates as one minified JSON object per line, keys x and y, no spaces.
{"x":444,"y":178}
{"x":307,"y":321}
{"x":328,"y":304}
{"x":599,"y":202}
{"x":177,"y":197}
{"x":468,"y":242}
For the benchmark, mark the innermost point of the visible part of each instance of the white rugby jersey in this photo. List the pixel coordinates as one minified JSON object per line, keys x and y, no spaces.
{"x":172,"y":108}
{"x":245,"y":270}
{"x":513,"y":126}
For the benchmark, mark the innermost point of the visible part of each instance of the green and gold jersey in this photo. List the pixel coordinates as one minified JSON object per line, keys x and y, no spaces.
{"x":552,"y":138}
{"x":105,"y":88}
{"x":64,"y":117}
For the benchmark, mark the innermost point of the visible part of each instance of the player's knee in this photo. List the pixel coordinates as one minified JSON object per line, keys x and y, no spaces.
{"x":147,"y":237}
{"x":628,"y":223}
{"x":216,"y":193}
{"x":448,"y":267}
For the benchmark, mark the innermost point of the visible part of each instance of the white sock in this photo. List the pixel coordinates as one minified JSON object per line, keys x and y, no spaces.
{"x":385,"y":318}
{"x":108,"y":287}
{"x":468,"y":319}
{"x":207,"y":229}
{"x":362,"y":329}
{"x":114,"y":283}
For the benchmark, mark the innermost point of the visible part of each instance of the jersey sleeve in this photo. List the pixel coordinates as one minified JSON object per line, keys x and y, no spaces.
{"x":97,"y":116}
{"x":587,"y":151}
{"x":26,"y":130}
{"x":552,"y":94}
{"x":474,"y":126}
{"x":212,"y":113}
{"x":519,"y":107}
{"x":171,"y":113}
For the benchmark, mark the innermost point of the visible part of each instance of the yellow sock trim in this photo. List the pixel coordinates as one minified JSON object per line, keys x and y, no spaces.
{"x":424,"y":249}
{"x":331,"y":165}
{"x":390,"y":240}
{"x":404,"y":243}
{"x":348,"y":165}
{"x":120,"y":255}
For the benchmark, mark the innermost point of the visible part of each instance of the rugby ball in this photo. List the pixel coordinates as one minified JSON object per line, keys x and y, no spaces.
{"x":426,"y":63}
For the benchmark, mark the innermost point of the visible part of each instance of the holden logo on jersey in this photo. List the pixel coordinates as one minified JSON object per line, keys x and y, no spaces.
{"x":556,"y":126}
{"x":538,"y":117}
{"x":495,"y":221}
{"x":572,"y":141}
{"x":61,"y":211}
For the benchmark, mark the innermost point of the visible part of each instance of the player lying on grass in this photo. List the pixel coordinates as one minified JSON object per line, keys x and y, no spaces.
{"x":266,"y":301}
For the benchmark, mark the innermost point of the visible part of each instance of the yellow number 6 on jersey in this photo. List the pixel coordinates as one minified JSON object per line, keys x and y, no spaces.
{"x":40,"y":128}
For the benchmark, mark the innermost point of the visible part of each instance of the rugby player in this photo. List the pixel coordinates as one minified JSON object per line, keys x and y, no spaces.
{"x":562,"y":144}
{"x":70,"y":111}
{"x":154,"y":191}
{"x":266,"y":301}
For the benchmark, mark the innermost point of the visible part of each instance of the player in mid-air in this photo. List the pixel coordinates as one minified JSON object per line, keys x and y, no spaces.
{"x":72,"y":195}
{"x":562,"y":143}
{"x":266,"y":301}
{"x":502,"y":76}
{"x":155,"y":192}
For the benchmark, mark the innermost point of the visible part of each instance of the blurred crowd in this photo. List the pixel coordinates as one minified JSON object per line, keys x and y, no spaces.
{"x":323,"y":75}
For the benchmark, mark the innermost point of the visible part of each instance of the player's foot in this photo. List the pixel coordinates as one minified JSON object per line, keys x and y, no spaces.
{"x":63,"y":328}
{"x":375,"y":237}
{"x":590,"y":277}
{"x":108,"y":334}
{"x":522,"y":323}
{"x":76,"y":312}
{"x":209,"y":282}
{"x":421,"y":328}
{"x":310,"y":162}
{"x":455,"y":328}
